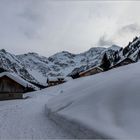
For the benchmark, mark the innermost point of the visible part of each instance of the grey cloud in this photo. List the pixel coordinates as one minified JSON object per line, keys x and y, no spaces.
{"x":30,"y":34}
{"x":103,"y":41}
{"x":48,"y":26}
{"x":132,"y":28}
{"x":122,"y":32}
{"x":31,"y":18}
{"x":31,"y":12}
{"x":30,"y":15}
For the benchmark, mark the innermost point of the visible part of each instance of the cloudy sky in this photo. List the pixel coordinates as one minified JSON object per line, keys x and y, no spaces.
{"x":47,"y":27}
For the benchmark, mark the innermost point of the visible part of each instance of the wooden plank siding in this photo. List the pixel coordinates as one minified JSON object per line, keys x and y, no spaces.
{"x":9,"y":89}
{"x":126,"y":61}
{"x":9,"y":96}
{"x":91,"y":72}
{"x":8,"y":85}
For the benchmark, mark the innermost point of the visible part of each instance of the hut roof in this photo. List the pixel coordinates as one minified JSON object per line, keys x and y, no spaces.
{"x":52,"y":79}
{"x":96,"y":67}
{"x":18,"y":79}
{"x":124,"y":59}
{"x":55,"y":78}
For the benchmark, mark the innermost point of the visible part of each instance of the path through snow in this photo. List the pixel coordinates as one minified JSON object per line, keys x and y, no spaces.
{"x":27,"y":119}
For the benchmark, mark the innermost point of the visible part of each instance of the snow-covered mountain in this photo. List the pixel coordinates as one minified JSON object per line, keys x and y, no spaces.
{"x":35,"y":68}
{"x":62,"y":63}
{"x":132,"y":50}
{"x":11,"y":63}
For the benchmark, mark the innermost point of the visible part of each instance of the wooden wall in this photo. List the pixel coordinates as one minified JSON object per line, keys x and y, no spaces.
{"x":125,"y":62}
{"x":8,"y":85}
{"x":91,"y":72}
{"x":8,"y":96}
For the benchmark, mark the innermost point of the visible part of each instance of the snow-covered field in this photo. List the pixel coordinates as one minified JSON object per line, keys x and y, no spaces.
{"x":106,"y":105}
{"x":26,"y":119}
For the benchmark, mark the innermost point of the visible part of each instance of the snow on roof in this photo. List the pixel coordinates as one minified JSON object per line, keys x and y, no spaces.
{"x":52,"y":79}
{"x":55,"y":78}
{"x":18,"y":79}
{"x":96,"y":67}
{"x":67,"y":78}
{"x":125,"y":58}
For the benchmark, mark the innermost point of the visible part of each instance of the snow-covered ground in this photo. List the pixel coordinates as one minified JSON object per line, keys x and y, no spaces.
{"x":26,"y":119}
{"x":105,"y":105}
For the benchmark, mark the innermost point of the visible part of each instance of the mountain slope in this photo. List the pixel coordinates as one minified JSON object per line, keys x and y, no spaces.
{"x":62,"y":63}
{"x":36,"y":68}
{"x":26,"y":119}
{"x":105,"y":105}
{"x":11,"y":63}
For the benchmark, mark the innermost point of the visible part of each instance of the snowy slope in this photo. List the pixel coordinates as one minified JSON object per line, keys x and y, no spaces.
{"x":35,"y":68}
{"x":62,"y":63}
{"x":104,"y":105}
{"x":26,"y":119}
{"x":36,"y":65}
{"x":11,"y":63}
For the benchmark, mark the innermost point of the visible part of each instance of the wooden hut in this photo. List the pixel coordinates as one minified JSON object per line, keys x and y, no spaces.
{"x":13,"y":86}
{"x":91,"y":71}
{"x":55,"y":81}
{"x":75,"y":73}
{"x":123,"y":62}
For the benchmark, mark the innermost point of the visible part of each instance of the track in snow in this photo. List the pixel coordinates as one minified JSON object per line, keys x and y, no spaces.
{"x":26,"y":119}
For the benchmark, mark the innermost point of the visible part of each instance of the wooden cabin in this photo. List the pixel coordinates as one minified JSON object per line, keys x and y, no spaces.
{"x":123,"y":62}
{"x":55,"y":81}
{"x":13,"y":86}
{"x":75,"y":73}
{"x":91,"y":71}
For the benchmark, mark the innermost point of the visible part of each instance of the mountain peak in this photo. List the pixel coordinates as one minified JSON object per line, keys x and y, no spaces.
{"x":114,"y":47}
{"x":3,"y":51}
{"x":32,"y":66}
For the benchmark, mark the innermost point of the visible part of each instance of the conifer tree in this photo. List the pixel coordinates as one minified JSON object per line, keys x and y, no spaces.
{"x":105,"y":64}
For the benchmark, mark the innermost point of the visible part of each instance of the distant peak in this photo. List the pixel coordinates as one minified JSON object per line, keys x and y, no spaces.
{"x":65,"y":52}
{"x":114,"y":47}
{"x":136,"y":38}
{"x":96,"y":48}
{"x":3,"y":50}
{"x":32,"y":53}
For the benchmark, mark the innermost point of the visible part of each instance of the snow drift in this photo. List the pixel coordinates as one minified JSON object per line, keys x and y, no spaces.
{"x":105,"y":105}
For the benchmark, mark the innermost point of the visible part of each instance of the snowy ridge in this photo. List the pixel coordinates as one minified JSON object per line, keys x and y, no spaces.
{"x":26,"y":119}
{"x":62,"y":63}
{"x":36,"y":69}
{"x":11,"y":63}
{"x":104,"y":105}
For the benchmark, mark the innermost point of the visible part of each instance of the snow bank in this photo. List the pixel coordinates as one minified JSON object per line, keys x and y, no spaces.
{"x":105,"y":105}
